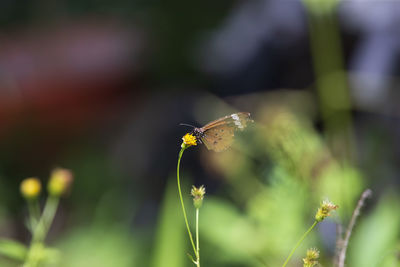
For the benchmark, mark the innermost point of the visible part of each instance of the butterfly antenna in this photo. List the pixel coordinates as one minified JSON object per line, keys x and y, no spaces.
{"x":184,"y":124}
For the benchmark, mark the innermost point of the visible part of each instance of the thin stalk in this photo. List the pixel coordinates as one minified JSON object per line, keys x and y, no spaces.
{"x":40,"y":232}
{"x":342,"y":255}
{"x":298,"y":243}
{"x":197,"y":238}
{"x":339,"y":242}
{"x":182,"y":204}
{"x":34,"y":213}
{"x":46,"y":220}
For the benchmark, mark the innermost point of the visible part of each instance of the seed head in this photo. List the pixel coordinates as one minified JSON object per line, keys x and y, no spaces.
{"x":311,"y":258}
{"x":324,"y":210}
{"x":198,"y":195}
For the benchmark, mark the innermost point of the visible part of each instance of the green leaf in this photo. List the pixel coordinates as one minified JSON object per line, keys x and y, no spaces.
{"x":13,"y":249}
{"x":172,"y":241}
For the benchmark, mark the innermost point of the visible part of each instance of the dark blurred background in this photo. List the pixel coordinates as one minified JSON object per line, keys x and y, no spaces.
{"x":100,"y":87}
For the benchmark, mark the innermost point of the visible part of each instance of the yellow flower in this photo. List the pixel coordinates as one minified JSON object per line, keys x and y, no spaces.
{"x":198,"y":195}
{"x":30,"y":187}
{"x":311,"y":258}
{"x":189,"y":140}
{"x":324,"y":210}
{"x":60,"y":181}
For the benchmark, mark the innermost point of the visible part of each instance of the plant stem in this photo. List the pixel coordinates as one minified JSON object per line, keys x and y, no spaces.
{"x":182,"y":204}
{"x":298,"y":243}
{"x":46,"y":220}
{"x":197,"y":238}
{"x":34,"y":214}
{"x":342,"y":255}
{"x":40,"y":231}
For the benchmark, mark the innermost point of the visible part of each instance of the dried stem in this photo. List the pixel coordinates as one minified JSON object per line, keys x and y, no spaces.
{"x":339,"y":242}
{"x":342,"y":254}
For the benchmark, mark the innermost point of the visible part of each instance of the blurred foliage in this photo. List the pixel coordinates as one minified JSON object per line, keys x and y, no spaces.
{"x":287,"y":193}
{"x":273,"y":180}
{"x":98,"y":245}
{"x":264,"y":191}
{"x":13,"y":249}
{"x":170,"y":238}
{"x":375,"y":241}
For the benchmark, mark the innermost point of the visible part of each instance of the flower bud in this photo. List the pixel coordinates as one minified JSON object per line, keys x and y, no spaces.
{"x":60,"y":181}
{"x":30,"y":188}
{"x":198,"y":195}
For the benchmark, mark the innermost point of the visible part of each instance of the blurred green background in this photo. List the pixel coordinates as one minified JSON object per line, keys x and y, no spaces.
{"x":100,"y":87}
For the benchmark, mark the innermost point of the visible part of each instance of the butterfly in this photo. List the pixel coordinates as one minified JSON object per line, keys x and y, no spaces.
{"x":218,"y":135}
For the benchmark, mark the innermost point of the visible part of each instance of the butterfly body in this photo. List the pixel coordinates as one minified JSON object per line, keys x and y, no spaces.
{"x":218,"y":135}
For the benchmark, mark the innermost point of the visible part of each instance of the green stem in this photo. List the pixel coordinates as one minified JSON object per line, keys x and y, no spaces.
{"x":46,"y":220}
{"x":40,"y":231}
{"x":34,"y":213}
{"x":197,"y":238}
{"x":181,"y":198}
{"x":298,"y":243}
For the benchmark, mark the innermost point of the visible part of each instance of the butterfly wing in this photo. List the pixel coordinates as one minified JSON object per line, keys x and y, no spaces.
{"x":237,"y":120}
{"x":218,"y":135}
{"x":218,"y":138}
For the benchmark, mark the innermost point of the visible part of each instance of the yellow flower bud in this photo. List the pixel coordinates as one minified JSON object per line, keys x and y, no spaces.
{"x":60,"y":181}
{"x":30,"y":187}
